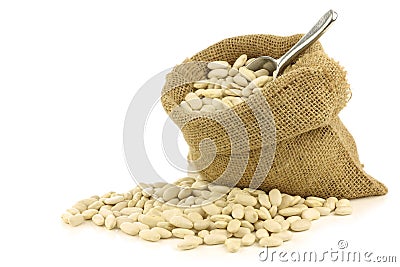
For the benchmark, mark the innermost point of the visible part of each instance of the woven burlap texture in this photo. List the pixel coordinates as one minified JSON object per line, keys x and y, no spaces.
{"x":315,"y":154}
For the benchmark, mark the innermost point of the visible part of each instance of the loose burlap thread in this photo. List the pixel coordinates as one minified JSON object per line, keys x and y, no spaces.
{"x":315,"y":154}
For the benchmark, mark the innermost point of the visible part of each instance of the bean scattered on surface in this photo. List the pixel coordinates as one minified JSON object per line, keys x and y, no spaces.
{"x":231,"y":216}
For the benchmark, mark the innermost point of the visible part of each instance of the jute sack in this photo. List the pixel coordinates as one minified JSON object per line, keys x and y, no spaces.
{"x":314,"y":154}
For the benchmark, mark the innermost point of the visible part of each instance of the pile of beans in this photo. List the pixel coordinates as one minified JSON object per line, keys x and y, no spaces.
{"x":226,"y":86}
{"x":212,"y":214}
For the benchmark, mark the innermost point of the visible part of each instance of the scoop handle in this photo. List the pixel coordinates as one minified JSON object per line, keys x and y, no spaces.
{"x":308,"y":39}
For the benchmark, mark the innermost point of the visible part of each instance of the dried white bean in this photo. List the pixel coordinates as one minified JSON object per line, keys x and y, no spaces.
{"x":110,"y":222}
{"x":300,"y":225}
{"x":215,"y":239}
{"x":130,"y":228}
{"x":240,"y":80}
{"x":181,"y":222}
{"x":164,"y":233}
{"x":275,"y":197}
{"x":218,"y":65}
{"x":218,"y":73}
{"x":271,"y":241}
{"x":246,"y":73}
{"x":149,"y":235}
{"x":261,"y":72}
{"x":233,"y":244}
{"x":248,"y":239}
{"x":213,"y":93}
{"x":272,"y":226}
{"x":240,"y":61}
{"x":342,"y":210}
{"x":284,"y":235}
{"x":76,"y":220}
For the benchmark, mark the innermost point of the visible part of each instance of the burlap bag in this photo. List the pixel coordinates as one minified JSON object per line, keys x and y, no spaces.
{"x":315,"y":154}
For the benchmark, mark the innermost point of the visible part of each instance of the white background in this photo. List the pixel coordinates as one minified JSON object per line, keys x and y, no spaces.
{"x":69,"y":69}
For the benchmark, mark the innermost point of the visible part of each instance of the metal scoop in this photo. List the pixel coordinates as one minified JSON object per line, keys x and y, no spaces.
{"x":276,"y":66}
